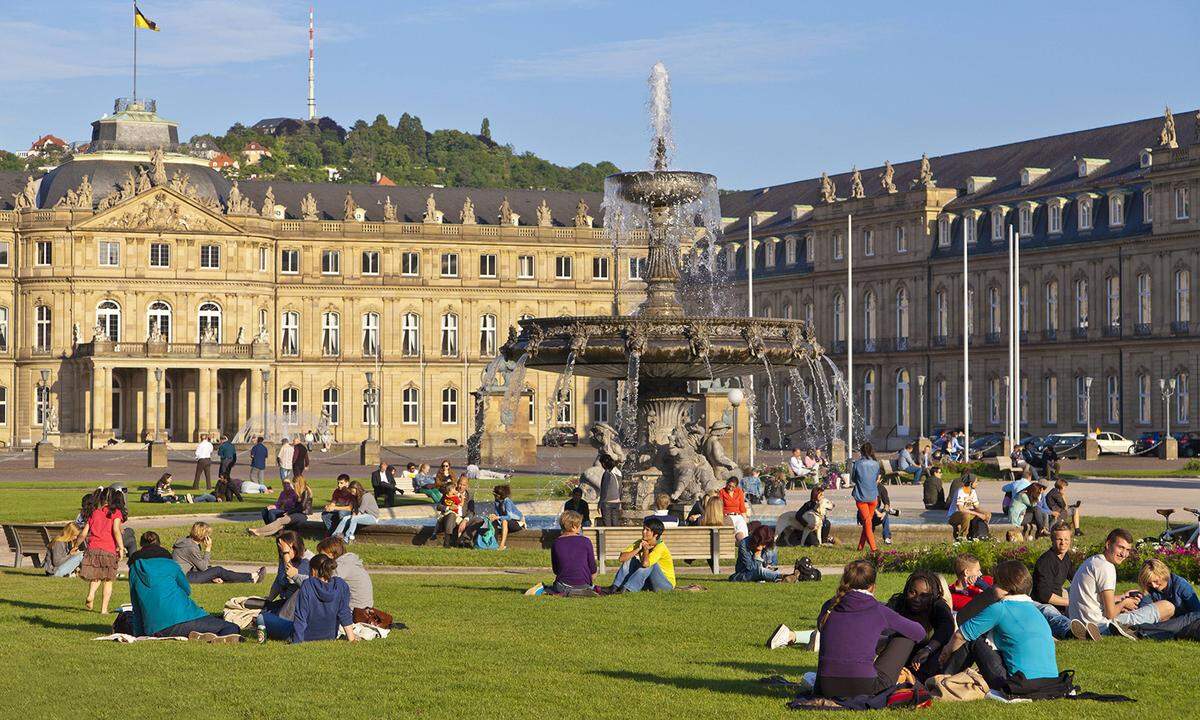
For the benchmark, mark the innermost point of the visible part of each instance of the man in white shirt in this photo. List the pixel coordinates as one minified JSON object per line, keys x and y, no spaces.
{"x":204,"y":453}
{"x":964,"y":507}
{"x":796,"y":467}
{"x":284,"y":459}
{"x":954,"y":448}
{"x":1091,"y":596}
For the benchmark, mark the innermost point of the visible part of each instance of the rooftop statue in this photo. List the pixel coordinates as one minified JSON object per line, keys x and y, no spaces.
{"x":506,"y":213}
{"x":27,"y":198}
{"x":389,"y":210}
{"x":143,"y":180}
{"x":268,"y":206}
{"x":432,"y":214}
{"x":181,"y":183}
{"x":582,"y":219}
{"x":925,"y":174}
{"x":544,"y":218}
{"x":856,"y":187}
{"x":1166,"y":136}
{"x":828,"y":190}
{"x":349,"y":208}
{"x":308,"y":208}
{"x":887,"y":178}
{"x":158,"y":175}
{"x":466,"y":216}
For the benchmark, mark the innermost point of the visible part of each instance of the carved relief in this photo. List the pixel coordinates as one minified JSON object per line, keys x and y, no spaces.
{"x":162,"y":213}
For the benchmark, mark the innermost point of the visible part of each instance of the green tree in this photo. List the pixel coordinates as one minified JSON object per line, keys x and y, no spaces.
{"x":485,"y":129}
{"x":9,"y":161}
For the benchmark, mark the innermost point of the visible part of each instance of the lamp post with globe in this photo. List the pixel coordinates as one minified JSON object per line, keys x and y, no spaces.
{"x":736,"y":397}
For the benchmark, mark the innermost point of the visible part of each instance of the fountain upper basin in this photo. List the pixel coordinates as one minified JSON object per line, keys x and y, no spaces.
{"x":668,"y":348}
{"x":659,"y":188}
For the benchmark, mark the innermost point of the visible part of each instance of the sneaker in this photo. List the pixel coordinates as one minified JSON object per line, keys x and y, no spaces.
{"x":233,"y":639}
{"x":189,"y":497}
{"x":260,"y":634}
{"x":1079,"y":630}
{"x":1093,"y":631}
{"x":790,"y":578}
{"x":1078,"y":532}
{"x":536,"y":590}
{"x":205,"y":637}
{"x":1122,"y":630}
{"x":887,"y":541}
{"x":782,"y":637}
{"x":259,"y":574}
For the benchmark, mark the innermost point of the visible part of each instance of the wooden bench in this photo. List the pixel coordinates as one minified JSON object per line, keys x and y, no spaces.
{"x":28,"y":540}
{"x":889,"y":475}
{"x":1004,"y":465}
{"x":685,"y":543}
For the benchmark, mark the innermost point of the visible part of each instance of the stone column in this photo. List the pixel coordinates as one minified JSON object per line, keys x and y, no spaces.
{"x":153,"y":411}
{"x":256,"y":408}
{"x":240,"y":404}
{"x":206,"y":409}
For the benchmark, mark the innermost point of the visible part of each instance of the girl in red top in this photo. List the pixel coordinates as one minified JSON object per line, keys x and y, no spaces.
{"x":104,"y":546}
{"x":733,"y":502}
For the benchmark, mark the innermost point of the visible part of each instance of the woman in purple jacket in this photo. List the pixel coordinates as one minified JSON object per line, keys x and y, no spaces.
{"x":857,"y":655}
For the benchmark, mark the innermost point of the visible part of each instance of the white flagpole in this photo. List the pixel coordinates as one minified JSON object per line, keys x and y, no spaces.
{"x":1017,"y":335}
{"x":750,"y":313}
{"x":1008,"y":427}
{"x":966,"y":329}
{"x":849,"y":337}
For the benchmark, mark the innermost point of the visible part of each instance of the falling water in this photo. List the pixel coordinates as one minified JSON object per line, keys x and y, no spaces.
{"x":512,"y":391}
{"x":660,"y":117}
{"x":627,"y":408}
{"x":773,"y":401}
{"x":560,"y":390}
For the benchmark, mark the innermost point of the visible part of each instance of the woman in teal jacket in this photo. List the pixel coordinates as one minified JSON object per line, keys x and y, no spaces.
{"x":162,"y":598}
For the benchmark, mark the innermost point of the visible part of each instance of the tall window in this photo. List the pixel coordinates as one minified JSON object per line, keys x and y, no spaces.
{"x":1182,"y":398}
{"x":41,"y":401}
{"x":637,"y":268}
{"x":939,"y":400}
{"x":4,"y":256}
{"x":941,"y":314}
{"x":44,"y":254}
{"x":289,"y":335}
{"x":944,"y":231}
{"x":869,"y":312}
{"x":370,"y":334}
{"x":1112,"y":395}
{"x":291,"y":405}
{"x":3,"y":329}
{"x":994,"y":393}
{"x":370,"y":410}
{"x":1024,"y":401}
{"x":449,"y":264}
{"x":901,"y":240}
{"x":902,"y":402}
{"x":209,"y":320}
{"x":869,"y":243}
{"x":262,"y":259}
{"x":997,"y":223}
{"x":1054,"y":218}
{"x":1052,"y":305}
{"x":108,"y":318}
{"x":1112,"y":299}
{"x":839,"y":318}
{"x":1116,"y":210}
{"x":970,"y":227}
{"x":1081,"y":303}
{"x":1023,"y":309}
{"x":1025,"y":221}
{"x":1050,"y":397}
{"x":1148,"y":206}
{"x":564,"y":413}
{"x":1081,"y":401}
{"x":1144,"y":315}
{"x":331,"y":334}
{"x":1143,"y":389}
{"x":600,"y":405}
{"x":450,"y":406}
{"x":210,"y":257}
{"x":487,"y":265}
{"x":837,"y":246}
{"x":1183,"y":296}
{"x":599,"y":267}
{"x":289,"y":261}
{"x":109,"y":253}
{"x":789,"y":250}
{"x":370,"y":262}
{"x":331,"y":262}
{"x":410,"y":264}
{"x":160,"y":255}
{"x":1085,"y":213}
{"x":902,"y":314}
{"x":562,"y":267}
{"x":41,"y":328}
{"x":449,"y":335}
{"x":487,"y":335}
{"x":410,"y":335}
{"x":1183,"y":208}
{"x":868,"y":399}
{"x":769,"y":253}
{"x":809,"y":312}
{"x":410,"y":406}
{"x":331,"y":406}
{"x":994,"y":310}
{"x":525,"y":267}
{"x":3,"y":405}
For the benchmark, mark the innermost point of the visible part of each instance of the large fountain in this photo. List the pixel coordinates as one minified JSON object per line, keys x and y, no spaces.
{"x":669,"y":343}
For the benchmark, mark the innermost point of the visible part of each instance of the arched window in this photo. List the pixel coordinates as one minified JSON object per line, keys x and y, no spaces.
{"x":994,"y":310}
{"x":487,"y":335}
{"x":902,"y":402}
{"x":1112,"y":397}
{"x":970,"y":311}
{"x":289,"y":335}
{"x":158,"y":320}
{"x":450,"y":406}
{"x":1182,"y":398}
{"x":3,"y":329}
{"x":410,"y":335}
{"x":1144,"y":314}
{"x":869,"y":328}
{"x":787,"y":311}
{"x":410,"y":404}
{"x":331,"y":405}
{"x":370,"y":334}
{"x":1052,"y":305}
{"x":1081,"y":303}
{"x":449,"y":335}
{"x":1143,"y":390}
{"x":108,"y":318}
{"x":1050,"y":398}
{"x":941,"y":314}
{"x":41,"y":328}
{"x":1082,"y":398}
{"x":944,"y":231}
{"x":331,"y":334}
{"x":291,"y":405}
{"x":600,"y":405}
{"x":565,"y":412}
{"x":839,"y":318}
{"x":1183,"y":296}
{"x":809,"y":312}
{"x":1112,"y":299}
{"x":209,"y":320}
{"x":902,"y":314}
{"x":1023,"y":309}
{"x":868,"y":395}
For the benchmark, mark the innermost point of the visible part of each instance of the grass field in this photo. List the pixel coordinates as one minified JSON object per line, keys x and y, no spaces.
{"x":476,"y":647}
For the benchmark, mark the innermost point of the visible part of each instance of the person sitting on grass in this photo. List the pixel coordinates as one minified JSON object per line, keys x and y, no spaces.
{"x":105,"y":546}
{"x":507,"y":519}
{"x":1060,"y":509}
{"x":577,"y":504}
{"x":340,"y":505}
{"x":751,"y":565}
{"x":292,"y":569}
{"x":162,"y":602}
{"x":1051,"y":572}
{"x":964,"y":513}
{"x":662,"y":510}
{"x":322,"y":605}
{"x":852,"y":624}
{"x":1092,"y":597}
{"x":921,"y":602}
{"x":1159,"y":584}
{"x":194,"y":555}
{"x":573,"y":559}
{"x":292,"y":508}
{"x":969,"y":581}
{"x":162,"y":492}
{"x":350,"y":568}
{"x":63,"y":555}
{"x":363,"y":511}
{"x":647,"y":563}
{"x":1024,"y":647}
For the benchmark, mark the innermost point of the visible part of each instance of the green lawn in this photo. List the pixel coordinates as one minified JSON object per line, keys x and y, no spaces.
{"x":476,"y":647}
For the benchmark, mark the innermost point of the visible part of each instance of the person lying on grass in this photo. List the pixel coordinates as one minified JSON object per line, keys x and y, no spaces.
{"x":322,"y":606}
{"x":1021,"y":637}
{"x":1093,"y":598}
{"x":752,"y":565}
{"x":647,"y":563}
{"x":573,"y":559}
{"x":194,"y":556}
{"x":162,"y":598}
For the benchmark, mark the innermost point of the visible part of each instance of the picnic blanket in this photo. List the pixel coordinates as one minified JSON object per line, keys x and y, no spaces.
{"x":242,"y":611}
{"x":127,"y":638}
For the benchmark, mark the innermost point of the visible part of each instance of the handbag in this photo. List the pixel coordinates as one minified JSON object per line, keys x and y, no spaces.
{"x":962,"y":686}
{"x":373,"y":616}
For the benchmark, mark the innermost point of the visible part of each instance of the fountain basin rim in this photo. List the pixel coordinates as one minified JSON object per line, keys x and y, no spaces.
{"x":660,"y":188}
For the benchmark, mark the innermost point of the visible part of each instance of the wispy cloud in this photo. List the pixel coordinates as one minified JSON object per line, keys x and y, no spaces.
{"x":723,"y":53}
{"x":195,"y":37}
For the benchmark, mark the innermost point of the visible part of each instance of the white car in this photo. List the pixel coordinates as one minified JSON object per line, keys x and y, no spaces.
{"x":1113,"y":444}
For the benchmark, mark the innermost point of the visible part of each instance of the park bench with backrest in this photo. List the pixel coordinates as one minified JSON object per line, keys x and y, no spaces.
{"x":685,"y":543}
{"x":1004,"y":465}
{"x":889,"y":475}
{"x":28,"y":540}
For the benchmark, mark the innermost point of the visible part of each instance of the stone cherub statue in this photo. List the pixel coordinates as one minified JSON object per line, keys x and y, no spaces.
{"x":610,"y":456}
{"x":691,"y":472}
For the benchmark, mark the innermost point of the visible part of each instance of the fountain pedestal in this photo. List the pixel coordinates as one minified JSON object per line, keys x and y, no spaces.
{"x":503,"y":445}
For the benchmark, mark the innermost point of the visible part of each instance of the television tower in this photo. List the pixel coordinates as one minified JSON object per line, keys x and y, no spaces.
{"x":312,"y":97}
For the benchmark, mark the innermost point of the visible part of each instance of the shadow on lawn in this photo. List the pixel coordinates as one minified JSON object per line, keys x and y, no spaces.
{"x":483,"y":588}
{"x":36,"y":605}
{"x":98,"y":628}
{"x":742,"y":687}
{"x":761,"y":669}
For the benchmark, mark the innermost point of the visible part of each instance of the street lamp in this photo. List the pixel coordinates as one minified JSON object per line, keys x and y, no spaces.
{"x":1167,"y":389}
{"x":266,"y":383}
{"x":1087,"y":394}
{"x":370,"y":392}
{"x":158,"y":375}
{"x":921,"y":404}
{"x":45,"y":403}
{"x":736,"y":397}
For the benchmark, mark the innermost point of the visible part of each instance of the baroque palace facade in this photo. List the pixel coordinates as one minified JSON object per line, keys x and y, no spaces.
{"x":134,"y":258}
{"x":1109,"y":251}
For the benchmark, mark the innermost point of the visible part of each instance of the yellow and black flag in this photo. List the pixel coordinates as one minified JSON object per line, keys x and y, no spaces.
{"x":141,"y":21}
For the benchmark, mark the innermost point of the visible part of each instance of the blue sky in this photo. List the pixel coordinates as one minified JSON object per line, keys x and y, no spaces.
{"x":764,"y":92}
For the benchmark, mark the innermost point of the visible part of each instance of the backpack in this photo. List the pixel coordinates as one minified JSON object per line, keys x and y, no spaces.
{"x":485,"y":538}
{"x":806,"y":571}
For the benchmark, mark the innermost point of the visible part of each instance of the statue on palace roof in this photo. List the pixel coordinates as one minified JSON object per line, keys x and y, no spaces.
{"x":887,"y":179}
{"x":466,"y":216}
{"x":828,"y":190}
{"x":544,"y":219}
{"x":856,"y":187}
{"x":1166,"y":136}
{"x":308,"y":208}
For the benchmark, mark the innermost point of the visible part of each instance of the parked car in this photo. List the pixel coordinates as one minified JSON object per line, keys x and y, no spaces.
{"x":987,"y":445}
{"x":560,"y":436}
{"x":1112,"y":443}
{"x":1067,"y":445}
{"x":1147,"y":442}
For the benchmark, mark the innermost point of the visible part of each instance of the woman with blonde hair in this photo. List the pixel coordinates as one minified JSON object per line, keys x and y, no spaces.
{"x":714,"y":511}
{"x":193,"y":554}
{"x":292,"y":508}
{"x":63,"y":555}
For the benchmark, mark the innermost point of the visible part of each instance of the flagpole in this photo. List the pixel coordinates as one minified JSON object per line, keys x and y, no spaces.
{"x":750,"y":314}
{"x":849,"y":338}
{"x":135,"y":52}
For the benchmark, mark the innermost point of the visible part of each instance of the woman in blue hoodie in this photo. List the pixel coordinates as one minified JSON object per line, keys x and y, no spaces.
{"x":162,"y":598}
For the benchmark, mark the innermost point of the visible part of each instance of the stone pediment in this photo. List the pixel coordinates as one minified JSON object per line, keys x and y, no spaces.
{"x":159,"y":210}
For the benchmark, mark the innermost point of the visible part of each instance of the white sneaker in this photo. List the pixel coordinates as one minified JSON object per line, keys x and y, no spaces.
{"x":887,"y":541}
{"x":1119,"y":629}
{"x":782,"y":637}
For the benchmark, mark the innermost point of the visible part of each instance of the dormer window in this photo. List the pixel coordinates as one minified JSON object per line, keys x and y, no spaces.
{"x":1031,"y":175}
{"x":1146,"y":158}
{"x":976,"y":183}
{"x":1148,"y":206}
{"x":1085,"y":213}
{"x":998,"y":213}
{"x":1025,"y":220}
{"x":1054,"y":215}
{"x":789,"y":250}
{"x":945,"y":222}
{"x":971,"y":225}
{"x":1082,"y":168}
{"x":808,"y":248}
{"x":1087,"y":166}
{"x":799,"y":211}
{"x":1116,"y":209}
{"x":769,"y":252}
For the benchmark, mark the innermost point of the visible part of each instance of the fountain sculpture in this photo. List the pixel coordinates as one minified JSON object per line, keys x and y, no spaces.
{"x":668,"y":343}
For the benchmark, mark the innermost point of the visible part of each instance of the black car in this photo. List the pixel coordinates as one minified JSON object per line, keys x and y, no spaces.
{"x":560,"y":436}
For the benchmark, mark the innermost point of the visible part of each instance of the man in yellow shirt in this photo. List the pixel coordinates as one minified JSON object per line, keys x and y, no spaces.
{"x":646,"y":564}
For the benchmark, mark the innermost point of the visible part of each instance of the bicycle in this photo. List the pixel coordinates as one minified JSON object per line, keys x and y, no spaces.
{"x":1184,"y":535}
